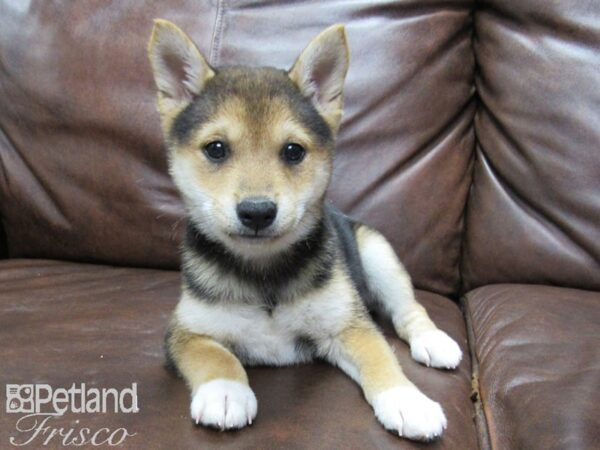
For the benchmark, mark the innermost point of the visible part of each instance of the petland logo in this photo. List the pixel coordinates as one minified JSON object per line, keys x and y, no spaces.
{"x":41,"y":403}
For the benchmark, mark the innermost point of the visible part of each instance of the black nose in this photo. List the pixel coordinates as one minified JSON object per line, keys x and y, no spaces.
{"x":257,"y":213}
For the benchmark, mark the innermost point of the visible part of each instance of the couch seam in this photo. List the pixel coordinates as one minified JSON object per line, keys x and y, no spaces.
{"x":215,"y":44}
{"x":465,"y":212}
{"x":480,"y":418}
{"x":4,"y":254}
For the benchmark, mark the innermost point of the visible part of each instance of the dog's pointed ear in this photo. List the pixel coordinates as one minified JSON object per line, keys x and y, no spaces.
{"x":320,"y":71}
{"x":180,"y":70}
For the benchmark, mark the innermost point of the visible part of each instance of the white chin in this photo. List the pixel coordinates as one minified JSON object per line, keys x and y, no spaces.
{"x":252,"y":240}
{"x":259,"y":247}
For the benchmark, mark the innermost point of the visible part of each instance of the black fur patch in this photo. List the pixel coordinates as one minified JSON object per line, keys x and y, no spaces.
{"x":306,"y":348}
{"x":198,"y":288}
{"x":345,"y":228}
{"x":256,"y":87}
{"x":312,"y":256}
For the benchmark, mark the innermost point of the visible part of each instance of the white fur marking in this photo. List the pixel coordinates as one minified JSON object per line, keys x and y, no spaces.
{"x":409,"y":413}
{"x":271,"y":339}
{"x":223,"y":404}
{"x":436,"y":349}
{"x":385,"y":274}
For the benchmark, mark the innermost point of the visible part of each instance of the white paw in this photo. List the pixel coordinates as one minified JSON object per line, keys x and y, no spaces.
{"x":436,"y":349}
{"x":409,"y":413}
{"x":223,"y":404}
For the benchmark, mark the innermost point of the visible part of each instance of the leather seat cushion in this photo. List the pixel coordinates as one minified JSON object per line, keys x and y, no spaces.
{"x":63,"y":323}
{"x":538,"y":350}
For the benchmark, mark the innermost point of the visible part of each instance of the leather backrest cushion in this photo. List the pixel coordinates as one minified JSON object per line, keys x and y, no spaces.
{"x":84,"y":167}
{"x":534,"y":212}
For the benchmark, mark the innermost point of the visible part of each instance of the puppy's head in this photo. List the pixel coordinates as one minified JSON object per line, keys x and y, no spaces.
{"x":250,"y":149}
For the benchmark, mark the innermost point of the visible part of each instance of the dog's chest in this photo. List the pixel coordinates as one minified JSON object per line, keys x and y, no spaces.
{"x":288,"y":334}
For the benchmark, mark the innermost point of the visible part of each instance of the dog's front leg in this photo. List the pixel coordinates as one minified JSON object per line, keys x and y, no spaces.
{"x":388,"y":280}
{"x":363,"y":353}
{"x":221,"y":396}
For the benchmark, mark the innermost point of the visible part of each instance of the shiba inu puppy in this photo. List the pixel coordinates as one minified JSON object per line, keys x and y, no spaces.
{"x":271,"y":273}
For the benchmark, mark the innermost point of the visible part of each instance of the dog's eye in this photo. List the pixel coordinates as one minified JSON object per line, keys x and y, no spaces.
{"x":216,"y":151}
{"x":293,"y":153}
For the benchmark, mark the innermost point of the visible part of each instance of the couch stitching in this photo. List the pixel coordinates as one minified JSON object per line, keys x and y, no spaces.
{"x":215,"y":45}
{"x":480,"y":418}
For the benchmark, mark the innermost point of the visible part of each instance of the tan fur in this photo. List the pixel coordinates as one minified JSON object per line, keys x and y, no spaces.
{"x":377,"y":366}
{"x":254,"y":168}
{"x":201,"y":359}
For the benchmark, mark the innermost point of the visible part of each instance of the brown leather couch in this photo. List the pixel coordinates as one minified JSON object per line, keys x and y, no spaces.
{"x":471,"y":139}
